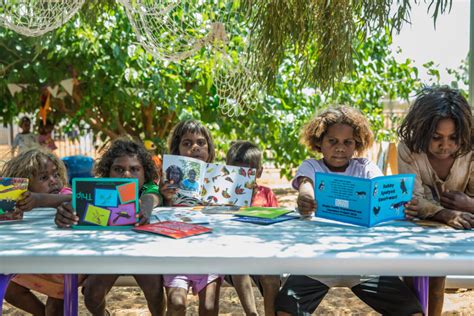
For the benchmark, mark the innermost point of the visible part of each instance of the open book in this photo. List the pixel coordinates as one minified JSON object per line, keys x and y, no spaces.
{"x":209,"y":183}
{"x":11,"y":190}
{"x":359,"y":201}
{"x":173,"y":229}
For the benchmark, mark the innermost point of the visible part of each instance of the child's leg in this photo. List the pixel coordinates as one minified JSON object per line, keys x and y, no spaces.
{"x":176,"y":301}
{"x":54,"y":306}
{"x":436,"y":296}
{"x":388,"y":296}
{"x":22,"y":298}
{"x":300,"y":295}
{"x":96,"y":288}
{"x":243,"y":287}
{"x":209,"y":298}
{"x":152,"y":287}
{"x":270,"y":287}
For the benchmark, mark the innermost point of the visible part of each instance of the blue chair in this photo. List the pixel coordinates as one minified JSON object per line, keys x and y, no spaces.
{"x":78,"y":167}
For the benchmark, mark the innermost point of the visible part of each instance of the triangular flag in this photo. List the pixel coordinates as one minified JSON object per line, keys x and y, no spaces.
{"x":14,"y":88}
{"x":53,"y":91}
{"x":61,"y":95}
{"x":68,"y":85}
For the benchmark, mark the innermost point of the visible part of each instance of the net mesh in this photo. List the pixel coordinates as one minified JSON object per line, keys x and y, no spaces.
{"x":37,"y":17}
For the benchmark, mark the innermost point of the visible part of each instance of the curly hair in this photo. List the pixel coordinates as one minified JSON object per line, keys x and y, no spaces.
{"x":29,"y":164}
{"x":431,"y":106}
{"x":175,"y":168}
{"x":193,"y":127}
{"x":313,"y":132}
{"x":126,"y":147}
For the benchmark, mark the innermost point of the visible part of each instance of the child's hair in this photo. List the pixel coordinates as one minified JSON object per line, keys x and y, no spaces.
{"x":176,"y":168}
{"x":193,"y":127}
{"x":313,"y":132}
{"x":126,"y":147}
{"x":24,"y":119}
{"x":431,"y":106}
{"x":244,"y":152}
{"x":30,"y":162}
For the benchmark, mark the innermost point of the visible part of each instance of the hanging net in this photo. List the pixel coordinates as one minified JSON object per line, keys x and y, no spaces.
{"x":37,"y":17}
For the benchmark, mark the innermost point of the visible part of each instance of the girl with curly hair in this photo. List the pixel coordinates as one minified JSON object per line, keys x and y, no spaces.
{"x":338,"y":134}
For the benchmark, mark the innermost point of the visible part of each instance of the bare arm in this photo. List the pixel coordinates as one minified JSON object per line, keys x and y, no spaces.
{"x":306,"y":203}
{"x":147,"y":203}
{"x":31,"y":200}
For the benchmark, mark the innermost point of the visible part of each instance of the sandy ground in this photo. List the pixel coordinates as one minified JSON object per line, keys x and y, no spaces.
{"x":128,"y":301}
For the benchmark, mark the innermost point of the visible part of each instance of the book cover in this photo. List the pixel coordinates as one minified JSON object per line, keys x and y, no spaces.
{"x":11,"y":190}
{"x":210,"y":183}
{"x":264,"y":221}
{"x":179,"y":215}
{"x":364,"y":202}
{"x":172,"y":229}
{"x":105,"y":202}
{"x":262,"y":212}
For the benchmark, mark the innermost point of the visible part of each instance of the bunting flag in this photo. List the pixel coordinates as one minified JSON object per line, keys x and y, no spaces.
{"x":68,"y":85}
{"x":14,"y":88}
{"x":45,"y":106}
{"x":53,"y":91}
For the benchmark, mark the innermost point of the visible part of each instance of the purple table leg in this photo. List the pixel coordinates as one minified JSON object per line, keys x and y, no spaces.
{"x":70,"y":295}
{"x":422,"y":287}
{"x":4,"y":280}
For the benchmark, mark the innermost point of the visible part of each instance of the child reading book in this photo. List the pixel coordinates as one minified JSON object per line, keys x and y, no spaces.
{"x":47,"y":176}
{"x":124,"y":159}
{"x":24,"y":140}
{"x":247,"y":155}
{"x":190,"y":138}
{"x":338,"y":134}
{"x":437,"y":136}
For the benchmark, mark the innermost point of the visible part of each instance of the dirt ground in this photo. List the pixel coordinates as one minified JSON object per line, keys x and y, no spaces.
{"x":129,"y":301}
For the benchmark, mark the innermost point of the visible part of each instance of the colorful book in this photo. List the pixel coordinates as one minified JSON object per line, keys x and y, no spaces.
{"x":11,"y":190}
{"x":209,"y":183}
{"x":262,"y":212}
{"x":364,"y":202}
{"x":105,"y":202}
{"x":178,"y":215}
{"x":264,"y":221}
{"x":172,"y":229}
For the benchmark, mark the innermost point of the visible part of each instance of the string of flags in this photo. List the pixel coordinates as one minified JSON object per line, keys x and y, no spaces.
{"x":67,"y":85}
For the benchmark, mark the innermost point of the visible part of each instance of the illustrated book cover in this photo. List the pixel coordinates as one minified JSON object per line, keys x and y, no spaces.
{"x":262,"y":212}
{"x":105,"y":202}
{"x":11,"y":190}
{"x":364,"y":202}
{"x":209,"y":183}
{"x":172,"y":229}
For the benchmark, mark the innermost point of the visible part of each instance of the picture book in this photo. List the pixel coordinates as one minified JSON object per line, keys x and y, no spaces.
{"x":265,"y":221}
{"x":105,"y":202}
{"x":262,"y":212}
{"x":359,"y":201}
{"x":163,"y":214}
{"x":209,"y":183}
{"x":217,"y":209}
{"x":11,"y":190}
{"x":173,"y":229}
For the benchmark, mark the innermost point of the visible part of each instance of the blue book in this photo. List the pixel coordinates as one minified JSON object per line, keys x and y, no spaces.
{"x":364,"y":202}
{"x":264,"y":221}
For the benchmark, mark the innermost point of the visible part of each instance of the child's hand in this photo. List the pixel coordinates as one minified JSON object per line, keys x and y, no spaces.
{"x":65,"y":216}
{"x":456,"y":200}
{"x":411,"y":209}
{"x":306,"y":204}
{"x":143,"y":218}
{"x":27,"y":202}
{"x":456,"y":219}
{"x":168,"y":190}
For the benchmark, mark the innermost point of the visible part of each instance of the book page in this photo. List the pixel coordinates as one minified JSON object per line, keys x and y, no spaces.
{"x":11,"y":190}
{"x":186,"y":173}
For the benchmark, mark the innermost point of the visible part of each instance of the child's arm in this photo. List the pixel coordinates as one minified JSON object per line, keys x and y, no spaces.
{"x":456,"y":200}
{"x":31,"y":200}
{"x":306,"y":203}
{"x":65,"y":216}
{"x":148,"y":202}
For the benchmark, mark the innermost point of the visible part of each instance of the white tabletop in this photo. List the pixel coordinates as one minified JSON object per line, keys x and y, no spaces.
{"x":35,"y":245}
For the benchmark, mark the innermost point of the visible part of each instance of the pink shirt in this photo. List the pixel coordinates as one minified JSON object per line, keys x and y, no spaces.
{"x":264,"y":197}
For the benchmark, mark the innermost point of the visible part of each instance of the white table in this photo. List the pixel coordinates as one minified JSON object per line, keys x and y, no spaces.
{"x":35,"y":245}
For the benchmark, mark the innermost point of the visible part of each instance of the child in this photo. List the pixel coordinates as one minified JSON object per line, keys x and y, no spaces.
{"x":191,"y":139}
{"x":47,"y":176}
{"x":190,"y":183}
{"x":245,"y":154}
{"x":124,"y":159}
{"x":437,"y":140}
{"x":24,"y":140}
{"x":44,"y":138}
{"x":337,"y":134}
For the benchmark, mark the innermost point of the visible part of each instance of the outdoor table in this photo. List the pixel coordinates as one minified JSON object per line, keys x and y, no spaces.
{"x":316,"y":247}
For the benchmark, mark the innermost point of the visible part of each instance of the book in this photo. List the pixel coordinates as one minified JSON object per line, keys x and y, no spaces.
{"x":209,"y":183}
{"x":105,"y":202}
{"x":364,"y":202}
{"x":262,"y":212}
{"x":178,"y":215}
{"x":11,"y":190}
{"x":173,"y":229}
{"x":265,"y":221}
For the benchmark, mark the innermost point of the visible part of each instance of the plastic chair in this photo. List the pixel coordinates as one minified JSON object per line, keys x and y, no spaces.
{"x":78,"y":167}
